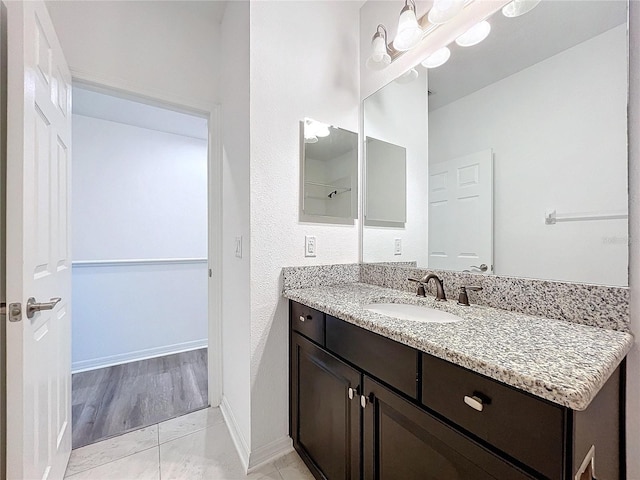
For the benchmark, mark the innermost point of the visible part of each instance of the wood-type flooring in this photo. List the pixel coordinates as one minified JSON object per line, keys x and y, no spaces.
{"x":114,"y":400}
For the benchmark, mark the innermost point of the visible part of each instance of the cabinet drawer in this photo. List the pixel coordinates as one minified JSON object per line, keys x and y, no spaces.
{"x":525,"y":427}
{"x":390,"y":361}
{"x":307,"y":321}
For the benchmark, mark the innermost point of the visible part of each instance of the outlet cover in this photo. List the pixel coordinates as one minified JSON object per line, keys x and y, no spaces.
{"x":239,"y":247}
{"x":397,"y":246}
{"x":309,"y":246}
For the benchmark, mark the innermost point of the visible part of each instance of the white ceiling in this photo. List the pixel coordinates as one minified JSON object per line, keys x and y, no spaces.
{"x":92,"y":103}
{"x":517,"y":43}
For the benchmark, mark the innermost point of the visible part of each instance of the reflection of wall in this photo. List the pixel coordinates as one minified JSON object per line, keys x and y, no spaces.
{"x":388,"y":115}
{"x":339,"y":172}
{"x":552,"y":151}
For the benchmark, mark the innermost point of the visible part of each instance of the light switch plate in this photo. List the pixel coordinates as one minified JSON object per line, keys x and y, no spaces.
{"x":239,"y":247}
{"x":309,"y":246}
{"x":397,"y":246}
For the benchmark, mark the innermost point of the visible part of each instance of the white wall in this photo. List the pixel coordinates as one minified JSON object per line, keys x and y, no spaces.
{"x":304,"y":63}
{"x":137,"y":194}
{"x":171,"y":47}
{"x":236,"y":313}
{"x":633,"y":359}
{"x":397,"y":114}
{"x":559,"y":147}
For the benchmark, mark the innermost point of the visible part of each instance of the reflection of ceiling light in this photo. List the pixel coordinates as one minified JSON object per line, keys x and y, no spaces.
{"x":314,"y":129}
{"x":408,"y":76}
{"x":519,"y":7}
{"x":380,"y":57}
{"x":437,"y":58}
{"x":474,"y":35}
{"x":444,"y":10}
{"x":409,"y":32}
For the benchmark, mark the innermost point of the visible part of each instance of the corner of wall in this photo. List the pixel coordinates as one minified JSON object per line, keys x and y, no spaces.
{"x":633,"y":358}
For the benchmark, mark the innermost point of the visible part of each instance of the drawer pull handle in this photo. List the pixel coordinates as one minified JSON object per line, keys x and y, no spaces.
{"x":474,"y":402}
{"x":303,"y":318}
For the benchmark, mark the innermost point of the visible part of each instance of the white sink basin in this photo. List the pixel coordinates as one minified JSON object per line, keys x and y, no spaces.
{"x":415,"y":313}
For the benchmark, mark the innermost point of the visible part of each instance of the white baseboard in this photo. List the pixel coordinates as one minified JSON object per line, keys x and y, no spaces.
{"x":236,"y":435}
{"x":269,"y":453}
{"x":109,"y":361}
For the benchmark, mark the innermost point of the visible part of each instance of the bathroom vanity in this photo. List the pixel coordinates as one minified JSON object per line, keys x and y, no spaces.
{"x":495,"y":395}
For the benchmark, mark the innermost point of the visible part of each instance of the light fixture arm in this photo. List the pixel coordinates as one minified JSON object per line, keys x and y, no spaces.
{"x":408,"y":5}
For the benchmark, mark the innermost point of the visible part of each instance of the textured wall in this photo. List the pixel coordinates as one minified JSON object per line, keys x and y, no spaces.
{"x":236,"y":315}
{"x":304,"y":63}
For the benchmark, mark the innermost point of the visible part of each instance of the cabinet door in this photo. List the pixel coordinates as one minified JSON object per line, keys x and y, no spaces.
{"x":325,"y":421}
{"x":403,"y":441}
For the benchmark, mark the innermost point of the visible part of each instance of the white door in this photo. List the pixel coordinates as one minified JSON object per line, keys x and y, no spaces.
{"x":461,"y":213}
{"x":38,"y":253}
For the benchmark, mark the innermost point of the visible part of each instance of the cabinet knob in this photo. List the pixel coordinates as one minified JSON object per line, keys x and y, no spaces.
{"x":474,"y":402}
{"x":303,"y":318}
{"x":351,"y":392}
{"x":363,"y":401}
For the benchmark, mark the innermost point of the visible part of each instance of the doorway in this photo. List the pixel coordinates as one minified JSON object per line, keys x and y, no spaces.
{"x":140,"y":263}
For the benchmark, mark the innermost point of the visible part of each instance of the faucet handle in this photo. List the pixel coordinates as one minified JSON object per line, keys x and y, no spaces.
{"x":463,"y":298}
{"x":421,"y":291}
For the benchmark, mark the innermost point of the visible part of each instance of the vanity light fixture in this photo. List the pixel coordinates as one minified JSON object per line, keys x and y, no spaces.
{"x":474,"y":35}
{"x":519,"y":7}
{"x":437,"y":58}
{"x":409,"y":32}
{"x":314,"y":129}
{"x":380,"y":57}
{"x":444,"y":10}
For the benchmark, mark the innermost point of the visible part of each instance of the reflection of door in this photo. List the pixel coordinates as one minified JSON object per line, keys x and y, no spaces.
{"x":38,"y":257}
{"x":461,"y":212}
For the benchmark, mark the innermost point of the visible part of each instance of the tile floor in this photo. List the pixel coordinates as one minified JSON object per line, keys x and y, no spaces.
{"x":191,"y":447}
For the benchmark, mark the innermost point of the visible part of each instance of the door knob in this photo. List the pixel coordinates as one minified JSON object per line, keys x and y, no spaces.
{"x":33,"y":306}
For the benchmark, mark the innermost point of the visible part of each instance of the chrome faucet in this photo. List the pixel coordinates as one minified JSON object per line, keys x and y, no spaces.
{"x":440,"y":295}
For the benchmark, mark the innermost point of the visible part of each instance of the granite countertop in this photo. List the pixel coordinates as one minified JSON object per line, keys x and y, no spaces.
{"x":564,"y":362}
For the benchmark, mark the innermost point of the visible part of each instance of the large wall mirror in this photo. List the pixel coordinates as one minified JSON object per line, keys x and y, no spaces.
{"x":516,"y":150}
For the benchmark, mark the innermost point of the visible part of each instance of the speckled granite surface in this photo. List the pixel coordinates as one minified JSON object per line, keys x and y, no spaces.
{"x":595,"y":305}
{"x":319,"y":275}
{"x":566,"y":363}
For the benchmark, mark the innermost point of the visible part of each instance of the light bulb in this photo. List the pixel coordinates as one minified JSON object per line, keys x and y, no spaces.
{"x":437,"y":58}
{"x":379,"y":58}
{"x":444,"y":10}
{"x":474,"y":35}
{"x":519,"y":7}
{"x":409,"y":31}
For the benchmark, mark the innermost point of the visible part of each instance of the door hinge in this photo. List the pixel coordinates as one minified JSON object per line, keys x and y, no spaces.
{"x":14,"y":311}
{"x":210,"y":273}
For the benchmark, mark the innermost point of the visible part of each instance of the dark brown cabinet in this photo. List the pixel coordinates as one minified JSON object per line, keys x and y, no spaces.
{"x":363,"y":406}
{"x":325,"y":415}
{"x":402,"y":441}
